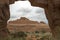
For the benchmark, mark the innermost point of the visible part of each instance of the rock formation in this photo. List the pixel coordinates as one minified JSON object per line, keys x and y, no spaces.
{"x":4,"y":16}
{"x":27,"y":25}
{"x":52,"y":10}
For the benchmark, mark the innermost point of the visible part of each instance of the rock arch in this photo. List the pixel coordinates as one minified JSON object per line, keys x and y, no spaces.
{"x":52,"y":11}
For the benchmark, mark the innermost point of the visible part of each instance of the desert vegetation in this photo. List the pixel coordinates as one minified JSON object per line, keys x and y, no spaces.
{"x":37,"y":35}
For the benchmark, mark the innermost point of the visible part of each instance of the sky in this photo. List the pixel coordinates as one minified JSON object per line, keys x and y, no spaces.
{"x":24,"y":9}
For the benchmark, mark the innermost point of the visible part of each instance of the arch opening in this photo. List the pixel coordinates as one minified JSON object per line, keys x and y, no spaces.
{"x":24,"y":12}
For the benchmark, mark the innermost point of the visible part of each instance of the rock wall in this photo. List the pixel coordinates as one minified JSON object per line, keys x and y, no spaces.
{"x":4,"y":16}
{"x":54,"y":11}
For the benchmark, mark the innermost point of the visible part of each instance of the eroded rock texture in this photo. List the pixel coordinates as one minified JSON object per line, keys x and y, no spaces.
{"x":52,"y":9}
{"x":4,"y":16}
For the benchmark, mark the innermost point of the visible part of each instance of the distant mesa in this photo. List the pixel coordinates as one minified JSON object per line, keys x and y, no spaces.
{"x":27,"y":25}
{"x":23,"y":20}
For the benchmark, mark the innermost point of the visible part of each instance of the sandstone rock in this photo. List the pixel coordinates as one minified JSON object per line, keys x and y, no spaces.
{"x":4,"y":17}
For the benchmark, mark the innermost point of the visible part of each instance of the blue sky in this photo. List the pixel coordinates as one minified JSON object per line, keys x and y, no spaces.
{"x":24,"y":9}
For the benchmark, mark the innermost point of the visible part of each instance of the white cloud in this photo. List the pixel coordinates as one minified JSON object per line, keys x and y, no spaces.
{"x":24,"y":9}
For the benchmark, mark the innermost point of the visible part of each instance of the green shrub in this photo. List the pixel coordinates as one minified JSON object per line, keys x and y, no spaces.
{"x":22,"y":34}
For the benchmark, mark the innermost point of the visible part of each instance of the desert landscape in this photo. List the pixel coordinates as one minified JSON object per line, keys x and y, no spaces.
{"x":25,"y":29}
